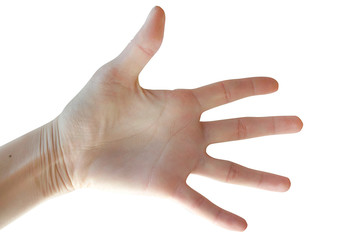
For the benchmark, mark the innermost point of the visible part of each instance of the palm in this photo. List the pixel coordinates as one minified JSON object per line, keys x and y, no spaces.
{"x":165,"y":139}
{"x":151,"y":140}
{"x":181,"y":142}
{"x":175,"y":144}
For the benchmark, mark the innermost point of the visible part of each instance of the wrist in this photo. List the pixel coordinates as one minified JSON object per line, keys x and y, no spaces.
{"x":51,"y":167}
{"x":32,"y":169}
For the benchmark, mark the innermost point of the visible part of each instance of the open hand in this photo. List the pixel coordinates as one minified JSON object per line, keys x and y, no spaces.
{"x":114,"y":133}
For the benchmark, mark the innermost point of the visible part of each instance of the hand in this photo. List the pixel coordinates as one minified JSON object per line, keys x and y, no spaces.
{"x":114,"y":133}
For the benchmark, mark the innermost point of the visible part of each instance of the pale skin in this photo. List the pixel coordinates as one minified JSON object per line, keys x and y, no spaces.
{"x":116,"y":134}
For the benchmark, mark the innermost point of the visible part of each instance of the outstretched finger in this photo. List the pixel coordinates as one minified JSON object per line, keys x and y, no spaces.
{"x":223,"y":92}
{"x":249,"y":127}
{"x":230,"y":172}
{"x":141,"y":48}
{"x":201,"y":205}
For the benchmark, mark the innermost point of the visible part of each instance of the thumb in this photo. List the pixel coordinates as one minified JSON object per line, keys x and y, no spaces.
{"x":143,"y":46}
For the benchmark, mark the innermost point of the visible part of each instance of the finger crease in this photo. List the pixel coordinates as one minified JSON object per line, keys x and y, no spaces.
{"x":226,"y":92}
{"x":147,"y":51}
{"x":198,"y":202}
{"x":232,"y":173}
{"x":241,"y":129}
{"x":176,"y":191}
{"x":260,"y":181}
{"x":217,"y":215}
{"x":273,"y":125}
{"x":252,"y":85}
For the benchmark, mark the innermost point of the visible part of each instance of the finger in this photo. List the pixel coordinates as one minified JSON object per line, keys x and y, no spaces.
{"x":249,"y":127}
{"x":202,"y":206}
{"x":143,"y":46}
{"x":223,"y":92}
{"x":230,"y":172}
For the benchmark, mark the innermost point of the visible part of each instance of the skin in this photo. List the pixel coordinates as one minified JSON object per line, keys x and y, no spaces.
{"x":115,"y":134}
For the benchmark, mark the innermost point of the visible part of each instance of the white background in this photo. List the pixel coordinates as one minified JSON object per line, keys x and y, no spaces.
{"x":50,"y":49}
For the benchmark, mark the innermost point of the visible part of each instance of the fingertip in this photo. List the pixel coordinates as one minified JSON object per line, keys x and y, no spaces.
{"x":286,"y":185}
{"x":231,"y":221}
{"x":157,"y":10}
{"x":240,"y":225}
{"x":265,"y":85}
{"x":297,"y":124}
{"x":293,"y":124}
{"x":278,"y":183}
{"x":272,"y":84}
{"x":289,"y":184}
{"x":245,"y":225}
{"x":300,"y":123}
{"x":275,"y":84}
{"x":155,"y":33}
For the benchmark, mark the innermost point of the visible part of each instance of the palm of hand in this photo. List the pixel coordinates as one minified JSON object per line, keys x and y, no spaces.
{"x":153,"y":145}
{"x":119,"y":134}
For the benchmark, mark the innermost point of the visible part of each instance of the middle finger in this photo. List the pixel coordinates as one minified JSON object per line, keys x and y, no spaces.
{"x":249,"y":127}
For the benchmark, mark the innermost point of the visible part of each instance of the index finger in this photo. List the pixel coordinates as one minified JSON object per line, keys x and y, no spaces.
{"x":223,"y":92}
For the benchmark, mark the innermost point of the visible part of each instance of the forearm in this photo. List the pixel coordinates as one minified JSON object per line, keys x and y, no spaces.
{"x":32,"y":169}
